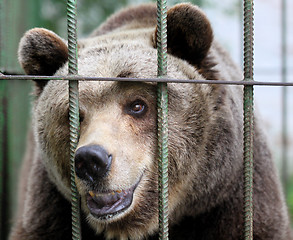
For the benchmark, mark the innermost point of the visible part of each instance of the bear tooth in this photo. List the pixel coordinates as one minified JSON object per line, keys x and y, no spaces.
{"x":92,"y":194}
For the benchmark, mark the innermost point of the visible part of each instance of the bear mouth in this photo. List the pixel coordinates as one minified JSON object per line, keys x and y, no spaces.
{"x":106,"y":205}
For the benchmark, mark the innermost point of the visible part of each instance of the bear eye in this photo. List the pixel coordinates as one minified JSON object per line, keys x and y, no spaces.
{"x":137,"y":108}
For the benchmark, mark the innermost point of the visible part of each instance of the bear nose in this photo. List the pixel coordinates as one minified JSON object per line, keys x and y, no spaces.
{"x":92,"y":162}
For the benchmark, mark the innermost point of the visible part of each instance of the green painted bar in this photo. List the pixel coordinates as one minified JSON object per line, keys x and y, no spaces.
{"x":3,"y":159}
{"x":248,"y":120}
{"x":2,"y":35}
{"x":73,"y":112}
{"x":162,"y":119}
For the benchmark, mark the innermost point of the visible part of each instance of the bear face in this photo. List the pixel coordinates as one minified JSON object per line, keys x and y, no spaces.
{"x":116,"y":157}
{"x":107,"y":121}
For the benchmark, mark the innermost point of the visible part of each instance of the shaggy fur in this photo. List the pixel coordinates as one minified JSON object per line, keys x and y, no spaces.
{"x":205,"y":136}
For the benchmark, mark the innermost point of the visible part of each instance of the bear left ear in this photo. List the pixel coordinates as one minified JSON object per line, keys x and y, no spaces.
{"x":42,"y":52}
{"x":189,"y":33}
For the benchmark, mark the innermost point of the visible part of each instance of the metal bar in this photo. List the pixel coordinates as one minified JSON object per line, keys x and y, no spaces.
{"x":284,"y":97}
{"x":248,"y":120}
{"x":3,"y":161}
{"x":73,"y":113}
{"x":162,"y":119}
{"x":2,"y":35}
{"x":164,"y":80}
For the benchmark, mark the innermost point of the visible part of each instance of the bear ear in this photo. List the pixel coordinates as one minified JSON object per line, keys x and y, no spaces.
{"x":42,"y":52}
{"x":189,"y":33}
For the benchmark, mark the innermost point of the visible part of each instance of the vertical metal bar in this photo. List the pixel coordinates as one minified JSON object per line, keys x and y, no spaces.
{"x":284,"y":97}
{"x":73,"y":113}
{"x":162,"y":119}
{"x":3,"y":161}
{"x":248,"y":120}
{"x":2,"y":35}
{"x":2,"y":122}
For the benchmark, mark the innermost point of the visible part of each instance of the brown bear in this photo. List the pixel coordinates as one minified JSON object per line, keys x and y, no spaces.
{"x":116,"y":157}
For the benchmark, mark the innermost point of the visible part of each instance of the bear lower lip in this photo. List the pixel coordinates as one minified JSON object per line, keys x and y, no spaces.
{"x":106,"y":205}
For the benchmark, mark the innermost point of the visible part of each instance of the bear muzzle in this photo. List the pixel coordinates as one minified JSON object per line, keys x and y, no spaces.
{"x":92,"y":163}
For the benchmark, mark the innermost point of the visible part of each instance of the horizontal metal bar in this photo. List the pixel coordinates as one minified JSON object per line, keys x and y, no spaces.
{"x":81,"y":78}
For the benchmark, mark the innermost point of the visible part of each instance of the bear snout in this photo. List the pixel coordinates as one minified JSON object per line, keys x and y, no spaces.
{"x":92,"y":162}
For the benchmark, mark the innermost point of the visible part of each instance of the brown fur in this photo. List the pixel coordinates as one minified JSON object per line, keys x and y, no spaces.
{"x":205,"y":137}
{"x":134,"y":18}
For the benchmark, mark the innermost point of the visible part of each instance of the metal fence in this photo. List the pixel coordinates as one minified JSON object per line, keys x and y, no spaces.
{"x":162,"y":103}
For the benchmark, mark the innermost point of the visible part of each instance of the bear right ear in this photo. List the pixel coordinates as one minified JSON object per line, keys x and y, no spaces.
{"x":189,"y":33}
{"x":42,"y":52}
